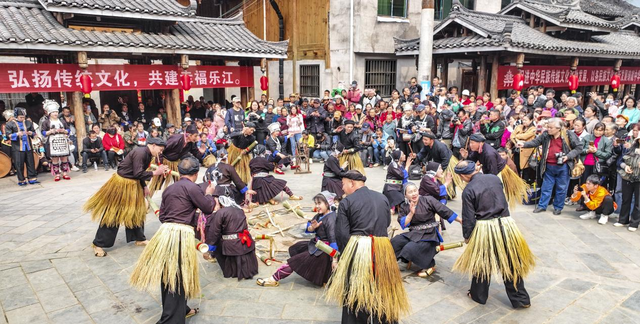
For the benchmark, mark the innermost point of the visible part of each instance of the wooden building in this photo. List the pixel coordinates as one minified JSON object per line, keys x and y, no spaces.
{"x":544,"y":39}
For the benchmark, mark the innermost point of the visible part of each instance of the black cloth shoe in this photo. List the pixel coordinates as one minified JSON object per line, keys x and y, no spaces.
{"x":538,"y":210}
{"x":557,"y":211}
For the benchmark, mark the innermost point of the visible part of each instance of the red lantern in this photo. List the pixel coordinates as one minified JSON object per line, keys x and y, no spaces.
{"x":185,"y":79}
{"x":573,"y":83}
{"x":264,"y":84}
{"x":518,"y":82}
{"x":85,"y":84}
{"x":615,"y":82}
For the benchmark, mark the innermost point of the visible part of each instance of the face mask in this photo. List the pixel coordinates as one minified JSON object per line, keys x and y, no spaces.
{"x":94,"y":139}
{"x":111,"y":132}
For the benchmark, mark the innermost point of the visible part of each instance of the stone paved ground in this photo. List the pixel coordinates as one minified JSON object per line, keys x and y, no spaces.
{"x":586,"y":272}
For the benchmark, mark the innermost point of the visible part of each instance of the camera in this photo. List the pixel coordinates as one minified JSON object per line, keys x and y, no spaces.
{"x":375,"y":136}
{"x":455,"y":120}
{"x":560,"y":158}
{"x":253,"y":117}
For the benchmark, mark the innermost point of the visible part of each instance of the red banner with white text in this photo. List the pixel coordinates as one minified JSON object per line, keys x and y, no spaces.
{"x":558,"y":76}
{"x":66,"y":77}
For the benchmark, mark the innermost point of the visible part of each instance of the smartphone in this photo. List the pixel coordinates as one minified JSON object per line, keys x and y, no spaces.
{"x":620,"y":140}
{"x":592,"y":143}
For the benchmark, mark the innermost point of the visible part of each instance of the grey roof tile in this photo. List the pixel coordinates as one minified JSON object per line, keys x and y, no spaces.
{"x":155,"y":7}
{"x":26,"y":21}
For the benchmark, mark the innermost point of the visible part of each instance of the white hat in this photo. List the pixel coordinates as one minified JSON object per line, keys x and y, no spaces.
{"x":187,"y":119}
{"x":7,"y":114}
{"x":50,"y":106}
{"x":359,"y":106}
{"x":407,"y":106}
{"x":157,"y":122}
{"x":465,"y":92}
{"x":274,"y":127}
{"x":235,"y":99}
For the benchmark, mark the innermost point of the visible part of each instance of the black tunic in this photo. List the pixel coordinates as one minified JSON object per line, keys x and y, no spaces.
{"x":236,"y":259}
{"x":239,"y":140}
{"x":482,"y":198}
{"x":434,"y":188}
{"x":492,"y":162}
{"x":439,"y":153}
{"x":180,"y":201}
{"x":333,"y":184}
{"x":349,"y":141}
{"x":364,"y":212}
{"x":177,"y":149}
{"x":274,"y":146}
{"x":267,"y":187}
{"x":233,"y":186}
{"x":426,"y":209}
{"x":309,"y":262}
{"x":135,"y":165}
{"x":20,"y":144}
{"x":392,"y":191}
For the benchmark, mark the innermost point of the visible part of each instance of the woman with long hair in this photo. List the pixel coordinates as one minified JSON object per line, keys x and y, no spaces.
{"x":524,"y":132}
{"x":295,"y":122}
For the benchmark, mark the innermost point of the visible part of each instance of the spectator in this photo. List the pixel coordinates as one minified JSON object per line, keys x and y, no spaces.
{"x":340,"y":105}
{"x":596,"y":149}
{"x":414,"y":87}
{"x":92,"y":149}
{"x":315,"y":117}
{"x":114,"y":146}
{"x":141,"y":135}
{"x":322,"y":148}
{"x":444,"y":132}
{"x":630,"y":110}
{"x":395,"y":101}
{"x":595,"y":198}
{"x":366,"y":143}
{"x":389,"y":127}
{"x":143,"y":116}
{"x":524,"y":132}
{"x":493,"y":128}
{"x":578,"y":128}
{"x":630,"y":175}
{"x":504,"y":154}
{"x":96,"y":128}
{"x":208,"y":145}
{"x":370,"y":97}
{"x":571,"y":104}
{"x":234,"y":119}
{"x":89,"y":118}
{"x":559,"y":149}
{"x":129,"y":138}
{"x":108,"y":118}
{"x":378,"y":145}
{"x":354,"y":94}
{"x":295,"y":126}
{"x":462,"y":128}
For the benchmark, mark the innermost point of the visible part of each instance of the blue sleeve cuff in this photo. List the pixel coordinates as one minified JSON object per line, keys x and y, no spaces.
{"x":306,"y":228}
{"x":44,"y":133}
{"x":443,"y":190}
{"x":212,"y":248}
{"x":274,"y":153}
{"x":405,"y":176}
{"x":14,"y":137}
{"x":243,"y":190}
{"x":452,"y":218}
{"x":68,"y":130}
{"x":334,"y":246}
{"x":402,"y":222}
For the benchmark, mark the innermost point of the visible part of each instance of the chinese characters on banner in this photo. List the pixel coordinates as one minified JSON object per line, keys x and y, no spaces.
{"x":66,"y":77}
{"x":558,"y":76}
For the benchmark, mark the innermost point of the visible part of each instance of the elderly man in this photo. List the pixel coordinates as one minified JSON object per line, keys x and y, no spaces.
{"x":559,"y":150}
{"x":433,"y":150}
{"x":315,"y":117}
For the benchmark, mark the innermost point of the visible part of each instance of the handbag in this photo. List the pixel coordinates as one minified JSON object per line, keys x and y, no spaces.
{"x":578,"y":168}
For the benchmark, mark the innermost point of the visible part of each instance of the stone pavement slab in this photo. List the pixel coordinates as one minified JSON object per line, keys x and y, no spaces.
{"x":586,"y":272}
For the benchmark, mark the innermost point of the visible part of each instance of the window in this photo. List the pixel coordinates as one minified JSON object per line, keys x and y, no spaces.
{"x":310,"y":80}
{"x":443,"y":7}
{"x":380,"y":75}
{"x":392,"y":8}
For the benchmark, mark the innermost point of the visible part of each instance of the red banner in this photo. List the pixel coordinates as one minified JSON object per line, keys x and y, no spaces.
{"x":558,"y":76}
{"x":66,"y":77}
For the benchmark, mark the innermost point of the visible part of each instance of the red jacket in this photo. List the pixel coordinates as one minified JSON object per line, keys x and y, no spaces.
{"x":116,"y":141}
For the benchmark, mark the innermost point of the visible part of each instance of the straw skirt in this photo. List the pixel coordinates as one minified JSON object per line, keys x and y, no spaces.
{"x":119,"y":201}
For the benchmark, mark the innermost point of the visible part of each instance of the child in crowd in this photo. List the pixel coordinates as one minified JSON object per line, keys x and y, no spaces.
{"x":596,"y":199}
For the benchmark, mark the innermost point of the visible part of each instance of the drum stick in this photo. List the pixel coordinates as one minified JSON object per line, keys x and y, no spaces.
{"x":247,"y":150}
{"x":173,"y":173}
{"x":449,"y":246}
{"x":322,"y":246}
{"x":154,"y":206}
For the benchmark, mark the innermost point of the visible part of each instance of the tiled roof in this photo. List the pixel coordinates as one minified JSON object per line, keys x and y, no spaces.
{"x":504,"y":32}
{"x":562,"y":15}
{"x":608,"y":8}
{"x":25,"y":24}
{"x":159,"y":9}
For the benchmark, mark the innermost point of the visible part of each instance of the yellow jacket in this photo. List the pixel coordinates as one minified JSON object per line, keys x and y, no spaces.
{"x":595,"y":199}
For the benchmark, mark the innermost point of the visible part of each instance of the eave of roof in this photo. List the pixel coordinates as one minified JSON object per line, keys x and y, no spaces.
{"x":134,"y":9}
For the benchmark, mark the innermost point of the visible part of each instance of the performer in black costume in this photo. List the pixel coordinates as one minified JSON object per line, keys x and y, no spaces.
{"x":172,"y":251}
{"x":351,"y":143}
{"x":306,"y":259}
{"x":366,"y":285}
{"x":515,"y":188}
{"x":228,"y":231}
{"x":21,"y":132}
{"x":274,"y":147}
{"x":418,"y":214}
{"x":266,"y":186}
{"x":333,"y":172}
{"x":241,"y":146}
{"x":227,"y":179}
{"x":397,"y":176}
{"x":121,"y":199}
{"x":179,"y":146}
{"x":495,"y":244}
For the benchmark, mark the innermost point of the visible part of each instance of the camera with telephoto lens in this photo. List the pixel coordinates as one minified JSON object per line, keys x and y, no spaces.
{"x":253,"y":117}
{"x":455,"y":119}
{"x":560,"y":157}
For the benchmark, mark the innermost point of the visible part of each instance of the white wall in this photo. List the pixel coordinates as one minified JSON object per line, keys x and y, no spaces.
{"x":490,"y":6}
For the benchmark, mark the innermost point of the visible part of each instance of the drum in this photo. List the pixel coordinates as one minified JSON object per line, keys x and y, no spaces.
{"x":5,"y":165}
